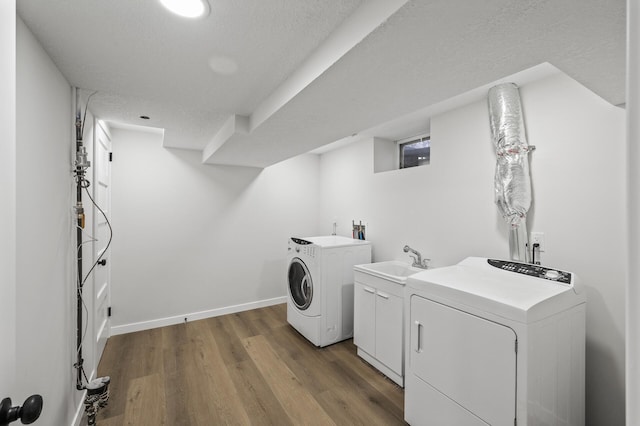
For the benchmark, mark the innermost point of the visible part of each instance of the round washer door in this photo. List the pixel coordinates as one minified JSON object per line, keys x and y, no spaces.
{"x":300,"y":284}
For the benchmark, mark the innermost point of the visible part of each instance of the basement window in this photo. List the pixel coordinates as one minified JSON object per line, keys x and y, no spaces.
{"x":414,"y":152}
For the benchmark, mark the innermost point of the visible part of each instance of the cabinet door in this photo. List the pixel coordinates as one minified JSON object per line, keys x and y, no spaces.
{"x":389,"y":330}
{"x":364,"y":311}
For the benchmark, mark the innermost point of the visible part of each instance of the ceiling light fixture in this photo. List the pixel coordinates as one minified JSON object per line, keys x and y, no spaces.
{"x":223,"y":65}
{"x":187,"y":8}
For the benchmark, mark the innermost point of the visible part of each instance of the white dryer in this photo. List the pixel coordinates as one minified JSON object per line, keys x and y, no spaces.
{"x":320,"y":286}
{"x":494,"y":343}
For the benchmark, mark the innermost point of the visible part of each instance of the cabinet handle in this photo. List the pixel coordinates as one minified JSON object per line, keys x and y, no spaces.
{"x":369,"y":290}
{"x":384,"y":296}
{"x":416,"y":342}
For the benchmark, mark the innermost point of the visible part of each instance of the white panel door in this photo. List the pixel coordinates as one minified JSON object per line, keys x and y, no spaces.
{"x":468,"y":359}
{"x":102,"y":196}
{"x":364,"y":317}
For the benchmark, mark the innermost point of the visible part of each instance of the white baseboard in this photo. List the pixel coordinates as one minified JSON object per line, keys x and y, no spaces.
{"x":178,"y":319}
{"x":79,"y":411}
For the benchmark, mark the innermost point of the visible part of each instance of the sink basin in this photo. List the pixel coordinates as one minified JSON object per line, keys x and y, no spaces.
{"x":392,"y":270}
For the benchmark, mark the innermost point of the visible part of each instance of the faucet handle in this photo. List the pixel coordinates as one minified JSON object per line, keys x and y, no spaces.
{"x":425,"y":263}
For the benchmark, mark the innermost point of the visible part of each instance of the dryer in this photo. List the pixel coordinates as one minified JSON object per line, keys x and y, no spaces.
{"x":494,"y":342}
{"x":320,"y":286}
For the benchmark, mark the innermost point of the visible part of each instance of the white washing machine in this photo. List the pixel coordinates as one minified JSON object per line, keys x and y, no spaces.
{"x":494,"y":343}
{"x":320,"y":286}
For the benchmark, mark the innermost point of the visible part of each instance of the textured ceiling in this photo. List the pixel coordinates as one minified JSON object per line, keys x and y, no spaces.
{"x":312,"y":72}
{"x":143,"y":60}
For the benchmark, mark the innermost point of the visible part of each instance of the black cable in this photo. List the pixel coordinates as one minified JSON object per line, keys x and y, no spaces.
{"x":85,"y":184}
{"x":110,"y":235}
{"x":84,"y":117}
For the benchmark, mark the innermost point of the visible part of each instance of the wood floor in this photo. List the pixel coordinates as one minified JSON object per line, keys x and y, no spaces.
{"x":249,"y":368}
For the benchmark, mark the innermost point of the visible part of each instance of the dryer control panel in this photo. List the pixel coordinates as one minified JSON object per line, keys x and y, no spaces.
{"x":536,"y":271}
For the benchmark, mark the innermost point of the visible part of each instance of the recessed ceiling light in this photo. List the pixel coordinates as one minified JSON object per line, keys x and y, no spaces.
{"x":187,"y":8}
{"x":223,"y":65}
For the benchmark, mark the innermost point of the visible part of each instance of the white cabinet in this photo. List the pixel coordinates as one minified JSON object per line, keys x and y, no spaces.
{"x":378,"y":325}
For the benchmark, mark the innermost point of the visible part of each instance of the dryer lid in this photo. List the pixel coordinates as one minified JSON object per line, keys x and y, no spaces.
{"x":476,"y":283}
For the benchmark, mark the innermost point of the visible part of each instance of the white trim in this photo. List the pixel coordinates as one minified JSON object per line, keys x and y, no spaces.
{"x":105,"y":128}
{"x":103,"y":326}
{"x":77,"y":418}
{"x":79,"y":415}
{"x":8,"y":184}
{"x":178,"y":319}
{"x":102,"y":289}
{"x":632,"y":331}
{"x":414,"y":138}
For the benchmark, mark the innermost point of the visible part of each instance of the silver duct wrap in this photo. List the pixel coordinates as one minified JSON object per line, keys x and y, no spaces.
{"x":512,"y":181}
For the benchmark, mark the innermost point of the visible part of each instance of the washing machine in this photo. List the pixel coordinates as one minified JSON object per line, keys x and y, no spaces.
{"x":493,"y":342}
{"x":320,"y":286}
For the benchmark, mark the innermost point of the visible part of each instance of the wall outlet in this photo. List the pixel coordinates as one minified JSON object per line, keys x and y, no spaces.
{"x":538,"y":238}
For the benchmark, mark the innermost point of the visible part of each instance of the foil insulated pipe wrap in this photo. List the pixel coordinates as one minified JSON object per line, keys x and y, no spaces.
{"x":512,"y":182}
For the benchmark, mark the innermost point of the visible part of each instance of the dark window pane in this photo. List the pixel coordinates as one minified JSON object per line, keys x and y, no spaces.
{"x":415,"y":153}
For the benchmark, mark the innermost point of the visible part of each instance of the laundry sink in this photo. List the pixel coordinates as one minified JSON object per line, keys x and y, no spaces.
{"x":392,"y":270}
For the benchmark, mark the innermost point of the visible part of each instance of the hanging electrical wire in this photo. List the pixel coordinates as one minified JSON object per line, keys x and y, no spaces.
{"x":97,"y":390}
{"x":79,"y":295}
{"x":104,"y":251}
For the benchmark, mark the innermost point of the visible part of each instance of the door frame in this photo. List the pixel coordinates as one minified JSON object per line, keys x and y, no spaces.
{"x":8,"y":237}
{"x":100,"y":327}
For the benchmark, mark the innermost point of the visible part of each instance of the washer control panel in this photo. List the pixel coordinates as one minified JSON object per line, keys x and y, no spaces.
{"x":300,"y":241}
{"x":303,"y":247}
{"x":536,"y":271}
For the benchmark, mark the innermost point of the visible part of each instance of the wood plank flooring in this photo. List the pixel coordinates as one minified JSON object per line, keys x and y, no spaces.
{"x":248,"y":368}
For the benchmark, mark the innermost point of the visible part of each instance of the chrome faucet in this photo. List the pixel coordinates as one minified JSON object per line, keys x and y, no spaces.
{"x":418,"y":262}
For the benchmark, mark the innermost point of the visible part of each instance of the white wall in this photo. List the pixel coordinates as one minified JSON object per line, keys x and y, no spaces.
{"x":190,"y":237}
{"x":446,"y":210}
{"x":45,"y":297}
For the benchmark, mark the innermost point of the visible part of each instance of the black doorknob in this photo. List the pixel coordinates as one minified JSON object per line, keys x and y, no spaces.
{"x":102,"y":262}
{"x":28,"y":413}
